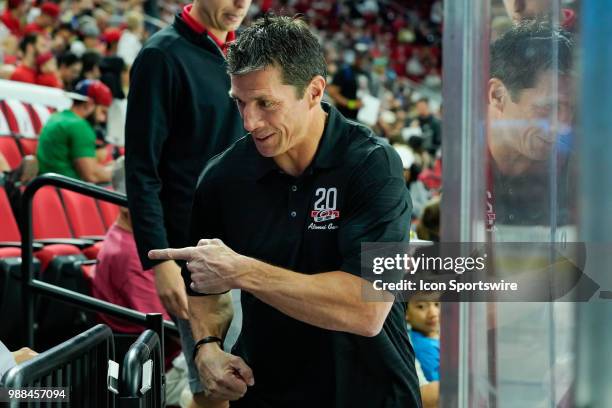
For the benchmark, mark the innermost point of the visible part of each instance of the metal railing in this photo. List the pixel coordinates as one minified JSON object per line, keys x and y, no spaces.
{"x":78,"y":364}
{"x":32,"y":287}
{"x":142,"y":383}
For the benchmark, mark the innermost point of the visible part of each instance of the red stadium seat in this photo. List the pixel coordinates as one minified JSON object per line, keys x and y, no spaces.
{"x":20,"y":119}
{"x":9,"y":117}
{"x":28,"y":145}
{"x":83,"y":214}
{"x":42,"y":113}
{"x":48,"y":217}
{"x":109,"y":212}
{"x":5,"y":129}
{"x":10,"y":151}
{"x":9,"y":231}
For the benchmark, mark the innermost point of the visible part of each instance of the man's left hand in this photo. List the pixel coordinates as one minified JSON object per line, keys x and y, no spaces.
{"x":214,"y":267}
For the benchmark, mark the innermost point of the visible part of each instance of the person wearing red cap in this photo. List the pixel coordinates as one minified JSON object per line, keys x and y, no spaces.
{"x":111,"y":37}
{"x":67,"y":142}
{"x":46,"y":21}
{"x":48,"y":74}
{"x":12,"y":16}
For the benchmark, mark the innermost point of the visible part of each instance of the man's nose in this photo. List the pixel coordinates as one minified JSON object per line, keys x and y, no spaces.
{"x":241,"y":3}
{"x":250,"y":119}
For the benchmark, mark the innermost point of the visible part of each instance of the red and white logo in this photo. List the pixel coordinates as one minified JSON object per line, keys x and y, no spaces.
{"x":325,"y":205}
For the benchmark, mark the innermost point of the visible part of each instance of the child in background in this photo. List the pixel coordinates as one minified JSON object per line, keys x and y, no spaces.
{"x":423,"y":316}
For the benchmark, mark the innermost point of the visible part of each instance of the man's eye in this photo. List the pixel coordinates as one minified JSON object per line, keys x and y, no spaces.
{"x":266,"y":104}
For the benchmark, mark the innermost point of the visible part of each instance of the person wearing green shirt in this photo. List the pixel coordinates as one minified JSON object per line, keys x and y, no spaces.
{"x":67,"y":142}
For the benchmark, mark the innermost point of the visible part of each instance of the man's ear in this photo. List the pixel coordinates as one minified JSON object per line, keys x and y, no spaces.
{"x":315,"y":91}
{"x":498,"y":95}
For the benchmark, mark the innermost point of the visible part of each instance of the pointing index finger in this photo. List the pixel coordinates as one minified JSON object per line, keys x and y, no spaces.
{"x":185,"y":254}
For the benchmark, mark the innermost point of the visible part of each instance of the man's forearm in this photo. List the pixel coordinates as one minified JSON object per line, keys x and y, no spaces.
{"x":210,"y":315}
{"x":330,"y":300}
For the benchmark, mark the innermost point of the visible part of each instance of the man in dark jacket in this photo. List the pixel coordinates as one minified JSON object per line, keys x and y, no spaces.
{"x":179,"y":115}
{"x":292,"y":203}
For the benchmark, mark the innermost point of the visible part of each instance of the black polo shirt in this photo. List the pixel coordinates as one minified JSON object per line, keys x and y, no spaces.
{"x":352,"y":192}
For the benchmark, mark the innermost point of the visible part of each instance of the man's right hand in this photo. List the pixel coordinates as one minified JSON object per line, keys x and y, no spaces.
{"x":171,"y":288}
{"x":225,"y":376}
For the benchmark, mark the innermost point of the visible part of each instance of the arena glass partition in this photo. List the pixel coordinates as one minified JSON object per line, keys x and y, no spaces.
{"x":510,"y":175}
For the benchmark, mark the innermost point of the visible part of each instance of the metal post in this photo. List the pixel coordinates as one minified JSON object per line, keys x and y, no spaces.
{"x":465,"y":47}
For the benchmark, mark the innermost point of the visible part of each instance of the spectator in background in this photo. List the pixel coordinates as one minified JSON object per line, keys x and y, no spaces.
{"x":423,"y":316}
{"x":430,"y":127}
{"x":30,"y":47}
{"x":91,"y":65}
{"x":179,"y":116}
{"x":418,"y":193}
{"x":13,"y":15}
{"x":130,"y":42}
{"x":90,"y":35}
{"x":70,"y":67}
{"x":62,"y":38}
{"x":46,"y":20}
{"x":48,"y":74}
{"x":67,"y":142}
{"x":344,"y":85}
{"x":120,"y":279}
{"x":111,"y":37}
{"x":428,"y":227}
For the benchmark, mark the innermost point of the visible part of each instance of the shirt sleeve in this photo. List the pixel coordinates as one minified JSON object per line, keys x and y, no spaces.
{"x":206,"y":222}
{"x":149,"y":119}
{"x":82,"y":140}
{"x":379,"y":207}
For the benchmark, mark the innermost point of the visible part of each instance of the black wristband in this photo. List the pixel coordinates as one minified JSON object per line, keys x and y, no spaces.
{"x":208,"y":339}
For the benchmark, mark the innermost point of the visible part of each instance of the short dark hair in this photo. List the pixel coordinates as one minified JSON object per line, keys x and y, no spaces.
{"x":527,"y":50}
{"x":423,"y":99}
{"x":27,"y":40}
{"x":283,"y":42}
{"x":67,"y":59}
{"x":90,"y":59}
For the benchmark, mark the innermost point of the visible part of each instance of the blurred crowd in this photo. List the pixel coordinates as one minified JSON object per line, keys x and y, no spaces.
{"x":384,"y":61}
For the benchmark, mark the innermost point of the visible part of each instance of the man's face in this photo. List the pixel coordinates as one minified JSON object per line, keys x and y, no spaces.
{"x":525,"y":128}
{"x":71,"y":72}
{"x":46,"y":20}
{"x":223,"y":15}
{"x":270,"y":111}
{"x":424,"y":316}
{"x":97,"y":114}
{"x":422,"y":108}
{"x":42,"y":45}
{"x":520,"y":10}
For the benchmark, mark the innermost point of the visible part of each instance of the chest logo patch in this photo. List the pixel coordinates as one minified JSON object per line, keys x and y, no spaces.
{"x":326,"y":200}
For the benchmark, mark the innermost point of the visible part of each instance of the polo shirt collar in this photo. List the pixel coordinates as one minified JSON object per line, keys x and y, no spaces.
{"x":198,"y":28}
{"x":330,"y":151}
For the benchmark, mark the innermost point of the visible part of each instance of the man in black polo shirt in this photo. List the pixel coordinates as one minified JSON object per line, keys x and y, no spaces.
{"x":179,"y":115}
{"x":282,"y":214}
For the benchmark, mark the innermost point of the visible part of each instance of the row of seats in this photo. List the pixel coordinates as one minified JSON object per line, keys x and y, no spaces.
{"x":68,"y":229}
{"x":23,"y":119}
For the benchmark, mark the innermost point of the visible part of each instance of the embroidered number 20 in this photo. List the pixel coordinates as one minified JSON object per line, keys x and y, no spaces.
{"x":326,"y":198}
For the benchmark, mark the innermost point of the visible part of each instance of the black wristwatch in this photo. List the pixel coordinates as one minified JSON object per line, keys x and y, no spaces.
{"x":208,"y":339}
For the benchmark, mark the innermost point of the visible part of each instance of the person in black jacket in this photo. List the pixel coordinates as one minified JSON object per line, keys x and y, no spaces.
{"x":179,"y":115}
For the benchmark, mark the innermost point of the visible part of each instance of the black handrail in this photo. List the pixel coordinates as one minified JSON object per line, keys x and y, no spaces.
{"x":78,"y":364}
{"x":31,"y":286}
{"x":147,"y":347}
